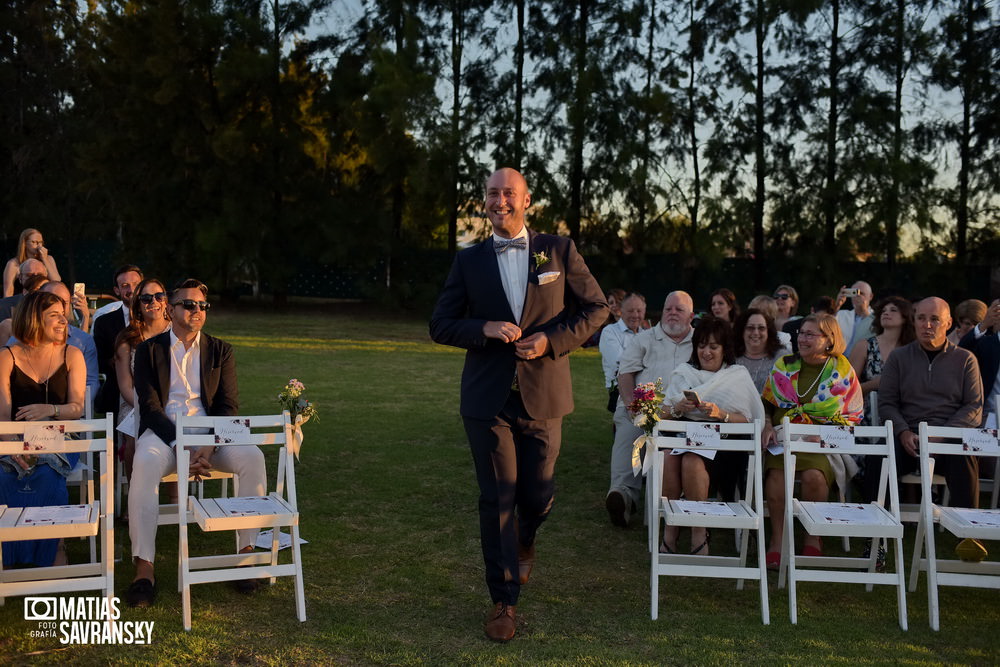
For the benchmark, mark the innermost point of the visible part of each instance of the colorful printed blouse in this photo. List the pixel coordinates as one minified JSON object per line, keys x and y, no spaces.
{"x":836,"y":400}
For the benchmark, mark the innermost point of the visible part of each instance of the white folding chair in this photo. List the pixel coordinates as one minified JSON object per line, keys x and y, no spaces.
{"x":92,"y":518}
{"x":275,"y":510}
{"x":962,"y":522}
{"x":873,"y":520}
{"x":908,"y":512}
{"x":743,"y":515}
{"x":82,"y":475}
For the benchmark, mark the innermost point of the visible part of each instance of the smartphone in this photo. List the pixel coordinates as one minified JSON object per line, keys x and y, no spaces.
{"x":80,"y":288}
{"x":852,"y":292}
{"x":692,"y":396}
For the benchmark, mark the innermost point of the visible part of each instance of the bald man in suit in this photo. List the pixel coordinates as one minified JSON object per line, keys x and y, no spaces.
{"x":519,"y":303}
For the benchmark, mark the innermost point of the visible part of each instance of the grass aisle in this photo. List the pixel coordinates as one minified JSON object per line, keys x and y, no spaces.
{"x":393,"y":569}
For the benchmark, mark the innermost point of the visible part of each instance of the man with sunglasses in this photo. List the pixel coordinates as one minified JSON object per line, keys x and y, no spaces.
{"x":182,"y":371}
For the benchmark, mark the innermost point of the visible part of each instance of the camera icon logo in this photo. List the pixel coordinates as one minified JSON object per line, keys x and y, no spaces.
{"x":40,"y":609}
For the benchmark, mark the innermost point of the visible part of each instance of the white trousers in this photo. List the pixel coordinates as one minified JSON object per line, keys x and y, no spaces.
{"x":154,"y":459}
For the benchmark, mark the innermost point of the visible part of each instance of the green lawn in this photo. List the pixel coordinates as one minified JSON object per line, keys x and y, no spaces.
{"x":393,"y":568}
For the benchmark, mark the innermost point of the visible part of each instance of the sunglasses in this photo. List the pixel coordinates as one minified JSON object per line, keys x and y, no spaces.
{"x":149,"y":298}
{"x":191,"y":304}
{"x":782,"y":297}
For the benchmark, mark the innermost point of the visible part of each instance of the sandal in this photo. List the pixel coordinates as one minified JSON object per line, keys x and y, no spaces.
{"x":703,"y":545}
{"x":666,"y":548}
{"x":773,"y":560}
{"x":810,"y":550}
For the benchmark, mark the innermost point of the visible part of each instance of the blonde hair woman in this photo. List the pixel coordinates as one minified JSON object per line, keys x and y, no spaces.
{"x":30,"y":245}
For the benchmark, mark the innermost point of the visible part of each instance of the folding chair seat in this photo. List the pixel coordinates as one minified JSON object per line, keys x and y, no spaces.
{"x":743,"y":515}
{"x":93,"y":518}
{"x":825,"y":519}
{"x":275,"y":510}
{"x":962,"y":522}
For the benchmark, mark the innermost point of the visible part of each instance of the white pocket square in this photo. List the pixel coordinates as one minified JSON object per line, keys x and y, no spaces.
{"x":546,"y":278}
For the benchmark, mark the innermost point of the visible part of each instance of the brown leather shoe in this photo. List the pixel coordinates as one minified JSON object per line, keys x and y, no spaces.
{"x":501,"y":622}
{"x":525,"y":562}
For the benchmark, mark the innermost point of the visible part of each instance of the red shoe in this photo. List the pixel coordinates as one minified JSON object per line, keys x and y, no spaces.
{"x":810,"y":550}
{"x":773,"y":560}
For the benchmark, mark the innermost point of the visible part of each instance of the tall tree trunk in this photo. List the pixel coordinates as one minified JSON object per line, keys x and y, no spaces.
{"x":457,"y":42}
{"x":280,"y":290}
{"x":830,"y":197}
{"x":692,"y":129}
{"x":642,"y":189}
{"x":519,"y":89}
{"x":893,"y":208}
{"x":760,"y":167}
{"x":965,"y":139}
{"x":578,"y":125}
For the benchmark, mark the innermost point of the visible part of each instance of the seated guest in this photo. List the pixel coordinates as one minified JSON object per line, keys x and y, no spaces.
{"x":893,"y":327}
{"x":31,"y":246}
{"x":787,"y":301}
{"x":148,"y":317}
{"x":984,"y":342}
{"x":30,"y":285}
{"x":78,"y":338}
{"x":614,"y":339}
{"x":29,"y":268}
{"x":724,"y":306}
{"x":106,"y":323}
{"x":41,"y":378}
{"x":931,"y":380}
{"x":615,"y":298}
{"x":652,"y":354}
{"x":756,"y":345}
{"x":823,"y":304}
{"x":726,"y":394}
{"x":768,"y":306}
{"x":815,"y":386}
{"x":182,"y":371}
{"x":968,"y":314}
{"x":855,"y":324}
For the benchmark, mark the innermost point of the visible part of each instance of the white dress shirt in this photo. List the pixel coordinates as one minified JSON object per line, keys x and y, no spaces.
{"x":513,"y":264}
{"x":614,"y":338}
{"x":185,"y":379}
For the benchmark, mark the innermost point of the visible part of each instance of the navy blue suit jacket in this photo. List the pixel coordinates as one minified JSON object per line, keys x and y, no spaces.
{"x":219,"y":391}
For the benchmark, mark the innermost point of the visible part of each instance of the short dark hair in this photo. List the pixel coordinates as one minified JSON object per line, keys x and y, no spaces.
{"x":707,"y":329}
{"x":773,"y":344}
{"x":34,"y":282}
{"x":824,"y":304}
{"x":125,"y":268}
{"x":190,"y":283}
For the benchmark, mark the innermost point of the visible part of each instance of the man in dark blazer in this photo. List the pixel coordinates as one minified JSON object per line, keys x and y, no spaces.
{"x":108,"y":322}
{"x":983,"y":340}
{"x":519,"y":303}
{"x":182,"y":371}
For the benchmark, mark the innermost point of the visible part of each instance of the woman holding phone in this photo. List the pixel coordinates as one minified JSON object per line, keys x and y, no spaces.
{"x":708,"y":388}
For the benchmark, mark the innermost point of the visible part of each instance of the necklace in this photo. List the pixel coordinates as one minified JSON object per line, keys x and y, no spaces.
{"x":48,"y":372}
{"x":808,"y":391}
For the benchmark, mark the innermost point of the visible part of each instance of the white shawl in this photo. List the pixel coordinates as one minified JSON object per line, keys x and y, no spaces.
{"x":731,"y":388}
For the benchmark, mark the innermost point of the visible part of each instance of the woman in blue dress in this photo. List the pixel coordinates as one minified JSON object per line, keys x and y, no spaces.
{"x":41,"y":378}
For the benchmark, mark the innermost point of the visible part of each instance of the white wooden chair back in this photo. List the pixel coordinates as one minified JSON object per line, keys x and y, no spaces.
{"x":963,"y":522}
{"x":279,"y":508}
{"x":91,"y":518}
{"x":877,"y":520}
{"x":744,"y":515}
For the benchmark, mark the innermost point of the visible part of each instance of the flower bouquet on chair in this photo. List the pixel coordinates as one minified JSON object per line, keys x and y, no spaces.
{"x":647,"y":401}
{"x":300,"y":409}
